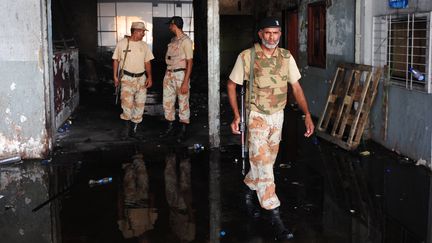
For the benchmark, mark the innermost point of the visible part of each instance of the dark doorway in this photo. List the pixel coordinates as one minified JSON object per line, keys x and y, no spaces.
{"x":291,"y":31}
{"x":161,"y":38}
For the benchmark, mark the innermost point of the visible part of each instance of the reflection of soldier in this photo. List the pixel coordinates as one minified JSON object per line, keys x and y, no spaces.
{"x":176,"y":81}
{"x":136,"y":214}
{"x":179,"y":196}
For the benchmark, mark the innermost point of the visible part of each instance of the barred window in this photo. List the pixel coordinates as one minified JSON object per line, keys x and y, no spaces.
{"x":403,"y":42}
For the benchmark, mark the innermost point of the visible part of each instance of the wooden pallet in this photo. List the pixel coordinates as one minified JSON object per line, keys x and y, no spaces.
{"x":351,"y":95}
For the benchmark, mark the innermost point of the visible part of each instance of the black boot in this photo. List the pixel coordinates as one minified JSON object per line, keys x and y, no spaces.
{"x":169,"y":131}
{"x":133,"y":130}
{"x":251,"y":202}
{"x":182,"y":133}
{"x":280,"y":231}
{"x":126,"y":130}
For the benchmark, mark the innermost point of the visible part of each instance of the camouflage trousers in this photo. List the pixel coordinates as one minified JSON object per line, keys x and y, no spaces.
{"x":133,"y":96}
{"x":171,"y":90}
{"x":264,"y":137}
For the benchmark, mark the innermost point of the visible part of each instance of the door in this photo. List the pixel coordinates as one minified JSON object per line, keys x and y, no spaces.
{"x":161,"y":38}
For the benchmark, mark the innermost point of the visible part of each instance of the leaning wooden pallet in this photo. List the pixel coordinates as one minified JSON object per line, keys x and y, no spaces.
{"x":350,"y":99}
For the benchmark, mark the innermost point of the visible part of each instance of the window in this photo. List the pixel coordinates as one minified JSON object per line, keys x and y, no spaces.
{"x":116,"y":17}
{"x":402,"y":42}
{"x":316,"y":42}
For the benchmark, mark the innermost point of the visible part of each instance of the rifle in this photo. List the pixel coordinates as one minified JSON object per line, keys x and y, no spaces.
{"x":118,"y":88}
{"x":243,"y":130}
{"x":243,"y":127}
{"x":116,"y":93}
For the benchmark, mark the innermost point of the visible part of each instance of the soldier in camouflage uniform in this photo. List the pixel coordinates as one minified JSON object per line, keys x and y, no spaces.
{"x":274,"y":68}
{"x":176,"y":81}
{"x":133,"y":56}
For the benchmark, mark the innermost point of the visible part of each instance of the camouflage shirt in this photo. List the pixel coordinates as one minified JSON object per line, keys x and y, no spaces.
{"x":271,"y":78}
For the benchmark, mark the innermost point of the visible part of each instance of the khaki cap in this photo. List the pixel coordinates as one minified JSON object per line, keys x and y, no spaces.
{"x":138,"y":25}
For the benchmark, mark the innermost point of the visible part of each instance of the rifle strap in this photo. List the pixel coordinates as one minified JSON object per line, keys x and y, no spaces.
{"x":251,"y":79}
{"x":124,"y":59}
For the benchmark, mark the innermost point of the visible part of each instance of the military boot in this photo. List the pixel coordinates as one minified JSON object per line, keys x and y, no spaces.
{"x":169,"y":131}
{"x":251,"y":202}
{"x":182,"y":133}
{"x":133,"y":132}
{"x":279,"y":229}
{"x":126,"y":130}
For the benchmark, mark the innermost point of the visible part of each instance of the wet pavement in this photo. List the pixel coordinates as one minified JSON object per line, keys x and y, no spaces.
{"x":164,"y":191}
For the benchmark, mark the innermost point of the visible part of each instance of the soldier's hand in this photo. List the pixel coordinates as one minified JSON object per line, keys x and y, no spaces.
{"x":184,"y":89}
{"x":148,"y":83}
{"x":309,"y":126}
{"x":235,"y":125}
{"x":116,"y":82}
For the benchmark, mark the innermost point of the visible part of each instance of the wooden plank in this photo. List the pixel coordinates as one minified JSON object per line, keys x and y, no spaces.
{"x":349,"y":102}
{"x":346,"y":91}
{"x":341,"y":108}
{"x":330,"y":100}
{"x":368,"y":104}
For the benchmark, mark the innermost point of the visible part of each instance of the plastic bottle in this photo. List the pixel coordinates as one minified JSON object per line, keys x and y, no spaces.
{"x":102,"y":181}
{"x":196,"y":147}
{"x":417,"y":74}
{"x":398,"y":3}
{"x":11,"y":160}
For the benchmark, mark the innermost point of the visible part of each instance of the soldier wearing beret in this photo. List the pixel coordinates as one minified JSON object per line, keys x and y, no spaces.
{"x":274,"y":68}
{"x":132,"y":56}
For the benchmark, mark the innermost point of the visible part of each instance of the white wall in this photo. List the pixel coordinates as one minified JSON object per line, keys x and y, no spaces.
{"x":25,"y":95}
{"x":410,"y":116}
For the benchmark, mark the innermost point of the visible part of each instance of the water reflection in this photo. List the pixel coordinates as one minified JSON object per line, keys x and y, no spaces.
{"x":179,"y":196}
{"x":136,"y":211}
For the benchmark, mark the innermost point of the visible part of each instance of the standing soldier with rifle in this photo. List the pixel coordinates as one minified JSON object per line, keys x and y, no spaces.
{"x":266,"y":91}
{"x":133,"y":56}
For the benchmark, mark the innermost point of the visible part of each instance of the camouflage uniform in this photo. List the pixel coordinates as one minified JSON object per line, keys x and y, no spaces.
{"x":133,"y":91}
{"x":179,"y":50}
{"x":267,"y":101}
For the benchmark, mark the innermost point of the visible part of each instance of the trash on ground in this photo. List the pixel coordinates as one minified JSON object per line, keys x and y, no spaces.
{"x":422,"y":162}
{"x":10,"y":160}
{"x":352,"y":211}
{"x":1,"y":196}
{"x":196,"y":147}
{"x":365,"y":153}
{"x":102,"y":181}
{"x":285,"y":166}
{"x":46,"y":161}
{"x":297,"y":183}
{"x":8,"y":206}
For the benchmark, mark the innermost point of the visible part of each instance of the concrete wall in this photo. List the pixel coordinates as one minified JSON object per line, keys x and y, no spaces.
{"x":340,"y":48}
{"x":410,"y":117}
{"x":24,"y":97}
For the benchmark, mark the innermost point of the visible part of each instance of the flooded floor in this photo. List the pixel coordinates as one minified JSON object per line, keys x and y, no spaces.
{"x":98,"y":188}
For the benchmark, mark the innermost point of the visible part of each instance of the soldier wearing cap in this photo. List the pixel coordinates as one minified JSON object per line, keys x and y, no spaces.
{"x":273,"y":69}
{"x":132,"y":70}
{"x":177,"y":77}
